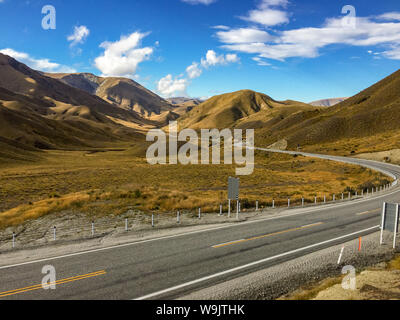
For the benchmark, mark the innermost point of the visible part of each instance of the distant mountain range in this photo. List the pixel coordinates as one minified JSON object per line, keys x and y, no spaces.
{"x":184,"y":101}
{"x":41,"y":111}
{"x":327,"y":102}
{"x":122,"y":92}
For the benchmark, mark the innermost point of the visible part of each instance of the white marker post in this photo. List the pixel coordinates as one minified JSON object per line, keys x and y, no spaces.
{"x":152,"y":220}
{"x":257,"y":205}
{"x":54,"y":233}
{"x":396,"y":224}
{"x":340,"y":256}
{"x":302,"y":202}
{"x":288,"y":201}
{"x":383,"y":222}
{"x":126,"y":225}
{"x":13,"y":240}
{"x":199,"y":213}
{"x":324,"y":199}
{"x":92,"y":228}
{"x":334,"y":198}
{"x":273,"y":204}
{"x":237,"y":209}
{"x":178,"y":217}
{"x":315,"y":200}
{"x":220,"y":209}
{"x":342,"y":196}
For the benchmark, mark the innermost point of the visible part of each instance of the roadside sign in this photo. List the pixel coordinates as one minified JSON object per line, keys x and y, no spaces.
{"x":233,"y":188}
{"x":390,"y":220}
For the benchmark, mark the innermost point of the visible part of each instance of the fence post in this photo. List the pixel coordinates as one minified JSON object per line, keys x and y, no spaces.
{"x":199,"y":213}
{"x":92,"y":228}
{"x":178,"y":217}
{"x":257,"y":205}
{"x":126,"y":224}
{"x":288,"y":202}
{"x":334,"y":197}
{"x":273,"y":204}
{"x":349,"y":195}
{"x":54,"y":233}
{"x":152,"y":220}
{"x":13,"y":240}
{"x":220,"y":209}
{"x":229,"y":208}
{"x":302,"y":202}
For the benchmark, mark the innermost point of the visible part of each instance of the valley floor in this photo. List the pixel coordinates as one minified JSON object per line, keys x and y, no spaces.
{"x":110,"y":183}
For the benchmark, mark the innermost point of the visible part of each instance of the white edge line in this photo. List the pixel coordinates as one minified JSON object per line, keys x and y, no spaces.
{"x":152,"y":295}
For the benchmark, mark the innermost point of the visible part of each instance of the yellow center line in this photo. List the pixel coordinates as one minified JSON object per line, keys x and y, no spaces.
{"x":366,"y":212}
{"x":267,"y":235}
{"x":61,"y":281}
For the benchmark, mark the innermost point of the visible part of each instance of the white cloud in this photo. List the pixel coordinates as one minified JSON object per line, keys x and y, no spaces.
{"x":268,"y":16}
{"x":206,"y":2}
{"x":44,"y":65}
{"x":261,"y":62}
{"x":243,"y":35}
{"x":79,"y":36}
{"x":393,"y":53}
{"x":221,"y":27}
{"x":307,"y":42}
{"x":390,"y":16}
{"x":170,"y":87}
{"x":121,"y":58}
{"x":213,"y":59}
{"x":194,"y":71}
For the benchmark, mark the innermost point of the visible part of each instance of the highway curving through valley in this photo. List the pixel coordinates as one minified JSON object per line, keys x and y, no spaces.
{"x":173,"y":266}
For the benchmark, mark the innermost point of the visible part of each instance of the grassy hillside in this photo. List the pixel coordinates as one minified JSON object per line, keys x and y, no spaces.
{"x":122,"y":92}
{"x":242,"y":109}
{"x":368,"y":121}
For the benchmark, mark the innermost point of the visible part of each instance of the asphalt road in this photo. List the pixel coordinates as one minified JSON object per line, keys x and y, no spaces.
{"x":173,"y":266}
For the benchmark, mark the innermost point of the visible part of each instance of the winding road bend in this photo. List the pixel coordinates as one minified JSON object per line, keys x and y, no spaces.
{"x":170,"y":267}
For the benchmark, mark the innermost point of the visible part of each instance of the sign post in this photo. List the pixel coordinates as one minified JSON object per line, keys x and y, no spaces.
{"x":233,"y":192}
{"x":390,"y":220}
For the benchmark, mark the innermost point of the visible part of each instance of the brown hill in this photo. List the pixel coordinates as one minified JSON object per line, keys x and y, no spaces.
{"x":38,"y":112}
{"x":241,"y":109}
{"x":360,"y":120}
{"x":17,"y":77}
{"x":122,"y":92}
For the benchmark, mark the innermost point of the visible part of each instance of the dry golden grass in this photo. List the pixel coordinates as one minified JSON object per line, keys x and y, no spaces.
{"x":311,"y":291}
{"x":113,"y":182}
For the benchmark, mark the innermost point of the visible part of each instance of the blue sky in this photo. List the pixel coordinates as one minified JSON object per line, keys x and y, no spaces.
{"x":289,"y":49}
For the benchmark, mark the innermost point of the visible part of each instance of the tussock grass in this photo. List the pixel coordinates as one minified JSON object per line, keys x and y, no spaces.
{"x":311,"y":291}
{"x":113,"y":182}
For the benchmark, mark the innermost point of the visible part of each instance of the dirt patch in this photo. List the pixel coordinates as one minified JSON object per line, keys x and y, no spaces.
{"x":391,"y":156}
